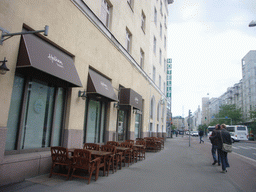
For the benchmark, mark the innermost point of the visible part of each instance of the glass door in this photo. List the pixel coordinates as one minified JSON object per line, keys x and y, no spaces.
{"x":93,"y":122}
{"x":122,"y":125}
{"x":137,"y":125}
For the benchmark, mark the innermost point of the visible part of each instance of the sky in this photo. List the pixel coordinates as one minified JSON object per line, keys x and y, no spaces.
{"x":207,"y":40}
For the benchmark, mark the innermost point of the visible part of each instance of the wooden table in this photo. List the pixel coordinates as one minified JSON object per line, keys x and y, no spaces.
{"x":102,"y":154}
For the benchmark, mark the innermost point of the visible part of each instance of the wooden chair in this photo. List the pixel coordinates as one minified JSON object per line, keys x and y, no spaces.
{"x":60,"y":157}
{"x":113,"y":143}
{"x":152,"y":145}
{"x":82,"y":160}
{"x":161,"y":139}
{"x":91,"y":146}
{"x":110,"y":161}
{"x":128,"y":154}
{"x":142,"y":151}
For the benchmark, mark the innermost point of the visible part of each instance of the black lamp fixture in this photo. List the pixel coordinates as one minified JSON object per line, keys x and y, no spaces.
{"x":82,"y":94}
{"x":3,"y":68}
{"x":116,"y":105}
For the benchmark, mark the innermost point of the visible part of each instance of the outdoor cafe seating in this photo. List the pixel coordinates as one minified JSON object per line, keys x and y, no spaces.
{"x":110,"y":160}
{"x":83,"y":163}
{"x":91,"y":146}
{"x":141,"y":146}
{"x":61,"y":159}
{"x":82,"y":160}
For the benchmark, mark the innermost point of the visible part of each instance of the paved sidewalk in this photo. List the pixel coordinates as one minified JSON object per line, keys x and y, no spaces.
{"x":176,"y":168}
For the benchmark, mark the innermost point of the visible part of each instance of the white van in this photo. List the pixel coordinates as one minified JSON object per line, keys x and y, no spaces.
{"x":238,"y":132}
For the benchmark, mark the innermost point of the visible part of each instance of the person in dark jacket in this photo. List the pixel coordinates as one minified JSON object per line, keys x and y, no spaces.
{"x":223,"y":136}
{"x":213,"y":139}
{"x":201,"y":134}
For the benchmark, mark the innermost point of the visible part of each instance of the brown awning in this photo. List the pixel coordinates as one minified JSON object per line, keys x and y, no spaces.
{"x":130,"y":97}
{"x":100,"y":86}
{"x":38,"y":56}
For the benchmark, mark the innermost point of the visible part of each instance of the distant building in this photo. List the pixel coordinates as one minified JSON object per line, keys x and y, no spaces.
{"x":178,"y":122}
{"x":169,"y":93}
{"x":205,"y":111}
{"x":248,"y":83}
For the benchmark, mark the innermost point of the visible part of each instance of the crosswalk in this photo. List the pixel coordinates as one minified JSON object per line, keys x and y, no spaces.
{"x":243,"y":147}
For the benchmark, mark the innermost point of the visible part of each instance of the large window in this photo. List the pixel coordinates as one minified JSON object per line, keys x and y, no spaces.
{"x":105,"y":13}
{"x":36,"y":115}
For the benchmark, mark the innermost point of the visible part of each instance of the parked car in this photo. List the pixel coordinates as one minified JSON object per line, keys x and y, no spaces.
{"x":194,"y":133}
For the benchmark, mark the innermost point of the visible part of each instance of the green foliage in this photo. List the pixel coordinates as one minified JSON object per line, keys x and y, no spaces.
{"x":173,"y":127}
{"x":229,"y":111}
{"x":202,"y":127}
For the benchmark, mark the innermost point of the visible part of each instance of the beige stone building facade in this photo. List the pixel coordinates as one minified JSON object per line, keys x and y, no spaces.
{"x":89,"y":80}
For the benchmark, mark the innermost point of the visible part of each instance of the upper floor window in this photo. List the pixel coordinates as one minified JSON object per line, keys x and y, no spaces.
{"x":128,"y":40}
{"x":154,"y":74}
{"x":161,"y":8}
{"x":141,"y":58}
{"x":160,"y":57}
{"x":161,"y":30}
{"x":143,"y":21}
{"x":155,"y":16}
{"x":154,"y":44}
{"x":160,"y":79}
{"x":105,"y":13}
{"x":165,"y":21}
{"x":165,"y":42}
{"x":130,"y":2}
{"x":165,"y":65}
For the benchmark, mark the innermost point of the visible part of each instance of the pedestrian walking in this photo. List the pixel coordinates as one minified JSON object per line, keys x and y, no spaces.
{"x":201,"y":134}
{"x":223,"y":136}
{"x":214,"y":150}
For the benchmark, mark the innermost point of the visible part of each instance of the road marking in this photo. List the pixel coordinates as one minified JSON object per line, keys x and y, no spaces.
{"x":252,"y":147}
{"x":243,"y":147}
{"x":248,"y":158}
{"x":235,"y":147}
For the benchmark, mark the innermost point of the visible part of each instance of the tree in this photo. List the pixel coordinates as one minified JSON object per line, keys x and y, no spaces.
{"x":252,"y":126}
{"x":229,"y":112}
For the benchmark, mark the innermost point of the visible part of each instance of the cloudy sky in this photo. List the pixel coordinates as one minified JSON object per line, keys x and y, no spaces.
{"x":207,"y":40}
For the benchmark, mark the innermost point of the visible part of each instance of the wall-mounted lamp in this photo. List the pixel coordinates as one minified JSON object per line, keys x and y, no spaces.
{"x":116,"y":105}
{"x":82,"y":94}
{"x":8,"y":35}
{"x":162,"y":101}
{"x":3,"y":68}
{"x":136,"y":111}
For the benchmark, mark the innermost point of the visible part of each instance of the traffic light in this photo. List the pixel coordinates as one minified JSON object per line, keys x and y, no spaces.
{"x":190,"y":113}
{"x":205,"y":118}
